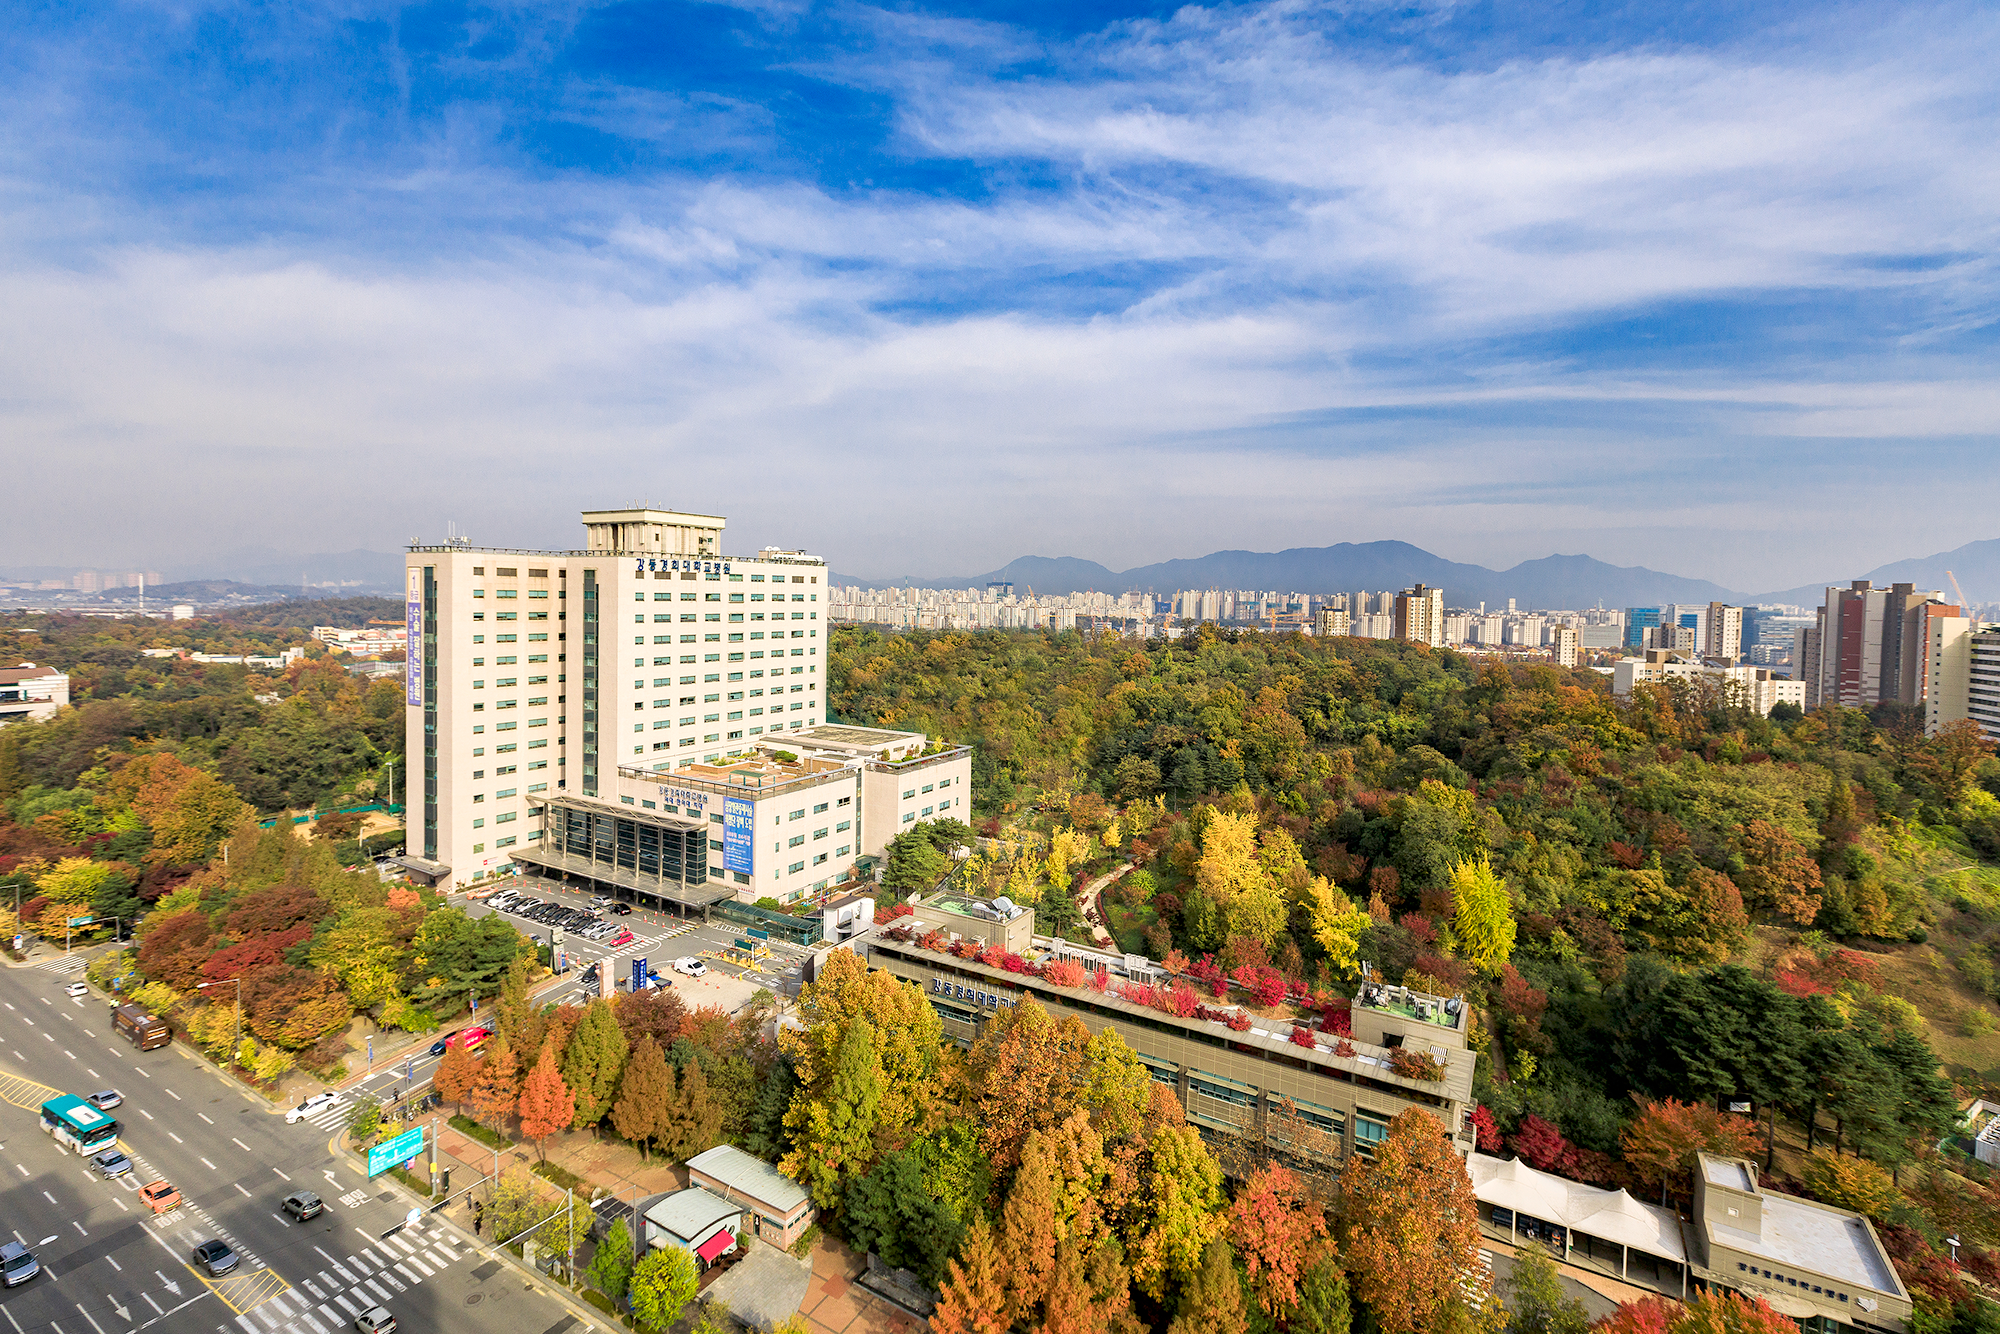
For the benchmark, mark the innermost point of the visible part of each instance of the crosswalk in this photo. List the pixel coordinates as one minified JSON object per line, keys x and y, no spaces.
{"x":63,"y":967}
{"x":377,"y":1275}
{"x":331,"y":1117}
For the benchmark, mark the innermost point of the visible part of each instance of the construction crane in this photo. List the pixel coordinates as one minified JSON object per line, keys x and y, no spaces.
{"x":1964,"y":607}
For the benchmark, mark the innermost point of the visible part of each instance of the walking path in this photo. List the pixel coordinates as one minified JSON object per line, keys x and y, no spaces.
{"x":1089,"y":902}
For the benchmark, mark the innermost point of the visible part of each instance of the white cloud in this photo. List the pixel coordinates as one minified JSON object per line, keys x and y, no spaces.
{"x":1351,"y":326}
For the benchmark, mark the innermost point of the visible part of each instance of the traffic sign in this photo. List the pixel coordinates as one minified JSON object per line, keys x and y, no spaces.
{"x":390,"y":1152}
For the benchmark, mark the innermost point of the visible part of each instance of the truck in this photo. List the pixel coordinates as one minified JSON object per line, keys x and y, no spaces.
{"x":142,"y":1030}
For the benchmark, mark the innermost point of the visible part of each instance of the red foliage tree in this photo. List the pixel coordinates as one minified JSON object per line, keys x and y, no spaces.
{"x":1539,"y":1144}
{"x":1275,"y":1231}
{"x":174,"y":950}
{"x":1485,"y":1131}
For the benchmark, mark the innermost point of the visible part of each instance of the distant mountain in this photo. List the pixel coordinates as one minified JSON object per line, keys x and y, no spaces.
{"x":360,"y":570}
{"x":1977,"y":565}
{"x":1551,"y":582}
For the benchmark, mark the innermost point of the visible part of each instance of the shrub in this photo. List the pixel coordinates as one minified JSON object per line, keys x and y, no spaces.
{"x":1063,"y":973}
{"x":1343,"y":1048}
{"x":1302,"y":1037}
{"x":1239,"y":1020}
{"x":1415,"y":1064}
{"x":1181,"y":1001}
{"x":1263,"y":982}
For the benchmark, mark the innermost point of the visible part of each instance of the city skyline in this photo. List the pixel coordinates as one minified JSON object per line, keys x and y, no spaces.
{"x":1493,"y":283}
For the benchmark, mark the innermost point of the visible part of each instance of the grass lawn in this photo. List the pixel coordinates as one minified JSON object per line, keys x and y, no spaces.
{"x":1128,"y":925}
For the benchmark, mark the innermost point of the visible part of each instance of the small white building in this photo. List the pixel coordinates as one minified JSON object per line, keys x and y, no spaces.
{"x":31,"y":694}
{"x":1756,"y":688}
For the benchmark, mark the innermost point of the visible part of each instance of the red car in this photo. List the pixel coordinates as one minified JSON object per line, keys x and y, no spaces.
{"x":622,"y":938}
{"x":470,"y":1037}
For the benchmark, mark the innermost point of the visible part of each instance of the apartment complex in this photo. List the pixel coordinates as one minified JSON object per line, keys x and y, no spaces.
{"x":1231,"y":1082}
{"x":521,"y":684}
{"x":1757,"y":688}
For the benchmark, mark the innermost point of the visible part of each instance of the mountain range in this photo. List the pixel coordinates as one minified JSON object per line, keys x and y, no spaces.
{"x":1550,"y":582}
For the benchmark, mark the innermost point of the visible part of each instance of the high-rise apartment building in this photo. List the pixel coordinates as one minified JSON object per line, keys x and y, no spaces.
{"x":1419,"y":615}
{"x":1331,"y":621}
{"x":1563,"y":639}
{"x":1962,"y":674}
{"x":1854,"y":654}
{"x":540,"y":673}
{"x":1722,"y":632}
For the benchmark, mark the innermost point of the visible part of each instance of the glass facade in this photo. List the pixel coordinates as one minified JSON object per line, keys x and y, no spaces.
{"x":649,"y":850}
{"x":590,"y":625}
{"x":1638,"y":620}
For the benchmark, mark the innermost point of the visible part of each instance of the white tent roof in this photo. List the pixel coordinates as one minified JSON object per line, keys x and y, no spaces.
{"x":1610,"y":1214}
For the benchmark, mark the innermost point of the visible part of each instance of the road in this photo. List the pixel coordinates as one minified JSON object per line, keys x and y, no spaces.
{"x":110,"y":1267}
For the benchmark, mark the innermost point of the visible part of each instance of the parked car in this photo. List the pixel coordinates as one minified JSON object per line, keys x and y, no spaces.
{"x":215,"y":1256}
{"x":376,"y":1321}
{"x":690,"y":966}
{"x":77,"y":989}
{"x":318,"y":1102}
{"x":622,"y":938}
{"x":602,"y":901}
{"x":112,"y":1163}
{"x":160,"y":1196}
{"x":105,"y":1100}
{"x":303,"y":1204}
{"x":622,"y":909}
{"x":17,"y":1264}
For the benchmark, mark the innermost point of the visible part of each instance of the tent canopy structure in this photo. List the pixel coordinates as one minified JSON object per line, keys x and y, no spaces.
{"x":1610,"y":1214}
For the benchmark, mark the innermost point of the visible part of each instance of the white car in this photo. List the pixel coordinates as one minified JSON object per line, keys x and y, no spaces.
{"x":77,"y":989}
{"x":318,"y":1102}
{"x":690,"y":967}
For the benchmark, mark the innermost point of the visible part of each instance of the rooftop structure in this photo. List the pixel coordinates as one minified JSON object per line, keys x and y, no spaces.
{"x":31,"y":694}
{"x":1809,"y":1260}
{"x":1231,"y":1065}
{"x":1593,"y":1228}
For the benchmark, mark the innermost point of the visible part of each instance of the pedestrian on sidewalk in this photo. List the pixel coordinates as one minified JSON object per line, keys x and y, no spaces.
{"x":478,"y":1216}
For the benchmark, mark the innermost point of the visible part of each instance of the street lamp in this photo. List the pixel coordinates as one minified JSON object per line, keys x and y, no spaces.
{"x":236,"y":1043}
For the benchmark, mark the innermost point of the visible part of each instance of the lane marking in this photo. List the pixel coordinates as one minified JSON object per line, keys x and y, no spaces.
{"x":239,"y":1190}
{"x":211,"y":1167}
{"x":273,"y":1169}
{"x":86,"y":1315}
{"x":78,"y":1226}
{"x":246,"y":1148}
{"x":115,"y":1265}
{"x":149,"y":1116}
{"x":202,"y":1115}
{"x":147,"y":1297}
{"x":177,"y":1097}
{"x":175,"y":1138}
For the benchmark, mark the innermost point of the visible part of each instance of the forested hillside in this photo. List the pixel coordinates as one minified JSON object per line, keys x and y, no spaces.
{"x":1657,"y":902}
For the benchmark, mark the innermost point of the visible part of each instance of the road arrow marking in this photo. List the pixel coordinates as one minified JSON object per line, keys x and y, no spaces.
{"x":124,"y":1312}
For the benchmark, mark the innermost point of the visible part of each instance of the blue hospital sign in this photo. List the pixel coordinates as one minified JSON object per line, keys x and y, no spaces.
{"x":739,"y":830}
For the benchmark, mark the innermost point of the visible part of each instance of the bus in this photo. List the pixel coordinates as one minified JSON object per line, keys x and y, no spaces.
{"x":72,"y":1121}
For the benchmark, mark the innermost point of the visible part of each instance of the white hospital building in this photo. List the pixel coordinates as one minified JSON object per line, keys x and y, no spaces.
{"x":680,"y":754}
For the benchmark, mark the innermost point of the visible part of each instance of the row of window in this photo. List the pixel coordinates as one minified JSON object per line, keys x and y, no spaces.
{"x":1791,"y":1279}
{"x":510,"y":639}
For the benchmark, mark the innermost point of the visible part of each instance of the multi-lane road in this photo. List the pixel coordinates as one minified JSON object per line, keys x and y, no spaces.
{"x":109,"y":1266}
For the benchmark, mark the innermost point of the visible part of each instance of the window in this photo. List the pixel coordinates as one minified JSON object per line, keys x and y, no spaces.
{"x":795,"y":868}
{"x":506,"y":817}
{"x":797,"y":840}
{"x":819,"y":833}
{"x":911,"y":793}
{"x":842,"y":802}
{"x":909,"y":816}
{"x":820,"y":809}
{"x":1370,"y":1129}
{"x":841,"y":828}
{"x":840,"y":851}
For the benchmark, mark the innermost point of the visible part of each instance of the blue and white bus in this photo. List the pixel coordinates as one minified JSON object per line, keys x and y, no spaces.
{"x":72,"y":1121}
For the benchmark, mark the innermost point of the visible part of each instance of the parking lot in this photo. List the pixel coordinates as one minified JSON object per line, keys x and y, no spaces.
{"x":658,"y":938}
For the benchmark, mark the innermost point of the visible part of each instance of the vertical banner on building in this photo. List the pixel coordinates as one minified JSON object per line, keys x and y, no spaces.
{"x":638,"y":975}
{"x":413,"y":649}
{"x":739,"y":828}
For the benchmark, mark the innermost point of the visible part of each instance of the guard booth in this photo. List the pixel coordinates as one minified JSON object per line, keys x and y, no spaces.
{"x":747,"y":952}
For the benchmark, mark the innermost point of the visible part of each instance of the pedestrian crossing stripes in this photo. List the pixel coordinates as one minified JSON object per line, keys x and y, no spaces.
{"x":376,"y":1275}
{"x":62,"y":967}
{"x":332,"y":1117}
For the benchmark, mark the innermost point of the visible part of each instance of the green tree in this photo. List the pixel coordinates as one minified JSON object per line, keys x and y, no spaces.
{"x":662,"y":1284}
{"x":893,"y":1213}
{"x":1212,"y":1299}
{"x":593,"y":1061}
{"x":1323,"y":1306}
{"x":611,"y":1267}
{"x":1231,"y":877}
{"x":1483,"y":916}
{"x":837,"y":1142}
{"x":1534,"y":1297}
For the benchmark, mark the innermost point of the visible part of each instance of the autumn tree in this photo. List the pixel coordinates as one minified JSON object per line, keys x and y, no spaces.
{"x":1660,"y":1143}
{"x":973,"y":1297}
{"x":836,"y":1141}
{"x":693,"y":1119}
{"x":641,"y":1106}
{"x":1409,"y":1230}
{"x":1029,"y":1071}
{"x":1484,"y":914}
{"x":1946,"y":763}
{"x":1276,"y":1232}
{"x":592,"y":1062}
{"x":1713,"y":1311}
{"x":905,"y":1051}
{"x":546,"y":1104}
{"x":1177,"y":1210}
{"x":1851,"y":1183}
{"x":1212,"y":1299}
{"x":497,"y":1086}
{"x":1778,"y":875}
{"x":456,"y":1073}
{"x":1231,"y":876}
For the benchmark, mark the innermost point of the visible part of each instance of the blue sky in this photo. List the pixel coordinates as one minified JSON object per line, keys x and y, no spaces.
{"x":920,"y":288}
